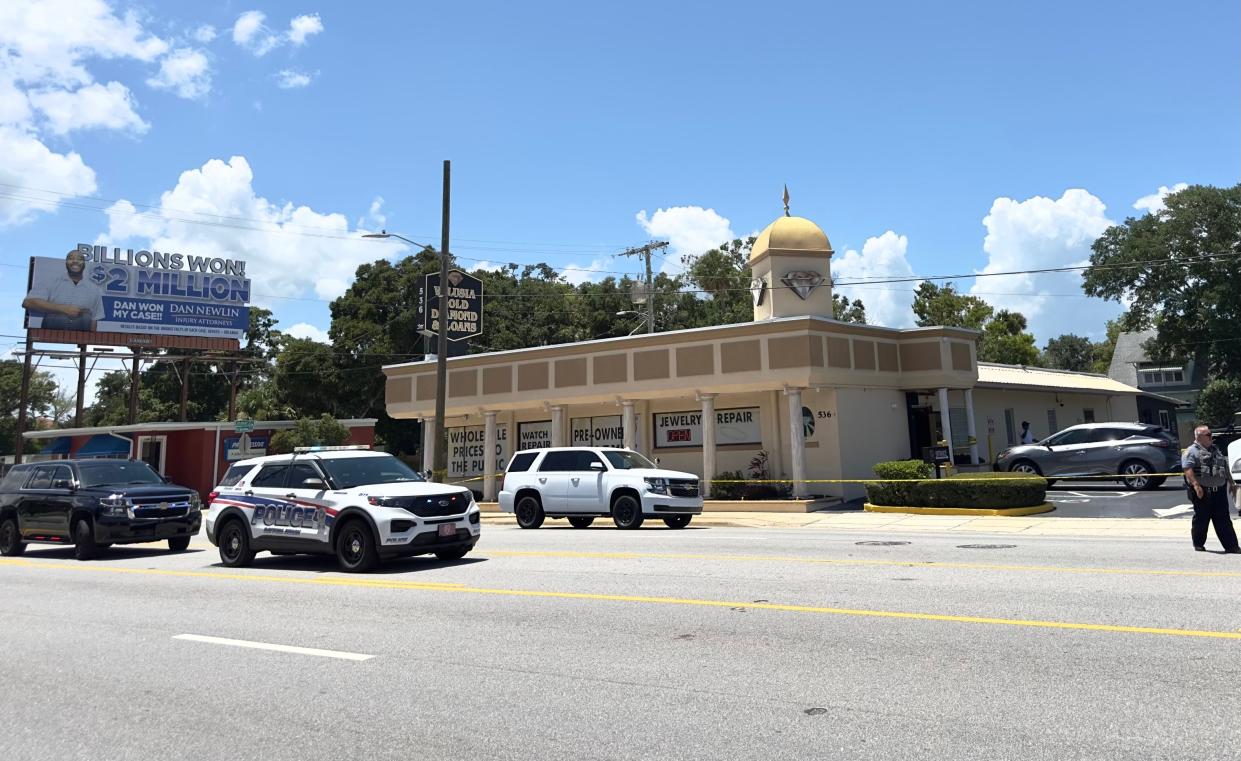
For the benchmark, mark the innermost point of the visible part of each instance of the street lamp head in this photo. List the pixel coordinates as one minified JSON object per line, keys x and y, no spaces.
{"x":380,"y":234}
{"x":385,"y":234}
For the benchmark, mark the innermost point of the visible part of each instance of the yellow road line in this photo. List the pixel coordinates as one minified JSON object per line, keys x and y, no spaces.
{"x":437,"y":587}
{"x":847,"y":562}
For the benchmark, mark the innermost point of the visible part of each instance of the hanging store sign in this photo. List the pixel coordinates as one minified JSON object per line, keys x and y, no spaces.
{"x":463,"y":307}
{"x":684,"y":429}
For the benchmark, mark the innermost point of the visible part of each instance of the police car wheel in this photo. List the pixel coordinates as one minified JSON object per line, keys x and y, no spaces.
{"x":84,"y":547}
{"x":529,"y":512}
{"x":11,"y":544}
{"x":355,"y":548}
{"x":179,"y":543}
{"x":581,"y":521}
{"x":456,"y":554}
{"x":235,"y":549}
{"x":677,"y":521}
{"x":626,"y":512}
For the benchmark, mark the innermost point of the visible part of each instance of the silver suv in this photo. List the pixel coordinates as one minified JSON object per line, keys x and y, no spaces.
{"x":1133,"y":452}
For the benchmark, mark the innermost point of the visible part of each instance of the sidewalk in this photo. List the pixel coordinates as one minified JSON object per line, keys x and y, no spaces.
{"x":1034,"y":525}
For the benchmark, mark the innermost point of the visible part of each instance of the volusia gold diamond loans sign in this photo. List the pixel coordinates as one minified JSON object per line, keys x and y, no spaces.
{"x":462,"y":305}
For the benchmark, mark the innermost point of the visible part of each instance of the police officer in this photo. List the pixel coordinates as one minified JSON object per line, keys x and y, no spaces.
{"x":1206,"y":477}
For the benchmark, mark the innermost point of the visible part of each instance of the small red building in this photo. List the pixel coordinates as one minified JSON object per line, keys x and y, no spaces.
{"x":190,"y":454}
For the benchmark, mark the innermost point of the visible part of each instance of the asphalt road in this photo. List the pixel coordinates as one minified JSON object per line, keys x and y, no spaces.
{"x":1105,"y":499}
{"x":601,"y":644}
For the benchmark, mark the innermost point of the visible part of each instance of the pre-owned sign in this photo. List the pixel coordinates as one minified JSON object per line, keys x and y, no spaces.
{"x":684,"y":429}
{"x":604,"y":431}
{"x":461,"y":306}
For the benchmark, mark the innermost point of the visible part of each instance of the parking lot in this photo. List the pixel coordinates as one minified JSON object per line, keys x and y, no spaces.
{"x":1104,"y":499}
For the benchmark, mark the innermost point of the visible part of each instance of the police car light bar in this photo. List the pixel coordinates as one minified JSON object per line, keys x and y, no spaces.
{"x":300,"y":450}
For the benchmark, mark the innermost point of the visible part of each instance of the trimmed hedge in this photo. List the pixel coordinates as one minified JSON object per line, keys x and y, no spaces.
{"x":983,"y":490}
{"x":904,"y":469}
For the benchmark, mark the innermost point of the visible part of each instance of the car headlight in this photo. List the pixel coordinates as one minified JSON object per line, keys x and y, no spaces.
{"x":657,"y":485}
{"x":117,"y":506}
{"x":196,"y":504}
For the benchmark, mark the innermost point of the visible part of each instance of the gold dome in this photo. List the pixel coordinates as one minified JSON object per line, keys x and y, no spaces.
{"x":791,"y":234}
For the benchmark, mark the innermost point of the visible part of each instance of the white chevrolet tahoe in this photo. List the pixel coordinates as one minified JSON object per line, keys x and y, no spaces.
{"x":581,"y":483}
{"x":358,"y":505}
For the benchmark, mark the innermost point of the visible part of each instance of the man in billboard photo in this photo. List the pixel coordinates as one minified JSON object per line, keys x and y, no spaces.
{"x":68,"y":302}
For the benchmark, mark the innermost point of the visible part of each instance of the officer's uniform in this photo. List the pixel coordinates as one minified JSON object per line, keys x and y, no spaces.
{"x":1211,"y":471}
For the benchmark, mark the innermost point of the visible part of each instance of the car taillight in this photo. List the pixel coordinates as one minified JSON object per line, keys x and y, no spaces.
{"x":211,"y":497}
{"x":1162,"y":443}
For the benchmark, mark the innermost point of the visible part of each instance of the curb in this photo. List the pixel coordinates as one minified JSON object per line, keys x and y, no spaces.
{"x":1046,"y":507}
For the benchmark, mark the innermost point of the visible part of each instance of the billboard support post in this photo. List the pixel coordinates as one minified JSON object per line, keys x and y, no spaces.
{"x":19,"y":440}
{"x":81,"y":400}
{"x":133,"y":387}
{"x":185,"y":387}
{"x":232,"y":390}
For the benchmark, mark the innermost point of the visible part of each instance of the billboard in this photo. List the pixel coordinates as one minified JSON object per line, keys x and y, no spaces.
{"x":92,"y":290}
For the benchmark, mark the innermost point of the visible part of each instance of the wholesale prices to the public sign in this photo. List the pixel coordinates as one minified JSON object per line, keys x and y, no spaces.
{"x":96,"y":290}
{"x":684,"y":429}
{"x":467,"y":451}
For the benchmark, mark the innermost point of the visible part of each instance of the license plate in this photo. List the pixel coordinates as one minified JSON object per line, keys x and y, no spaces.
{"x":447,"y":530}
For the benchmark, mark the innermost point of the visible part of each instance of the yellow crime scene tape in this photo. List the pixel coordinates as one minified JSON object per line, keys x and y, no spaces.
{"x":954,"y":479}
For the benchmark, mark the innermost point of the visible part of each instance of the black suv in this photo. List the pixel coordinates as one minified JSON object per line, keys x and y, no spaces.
{"x":93,"y":504}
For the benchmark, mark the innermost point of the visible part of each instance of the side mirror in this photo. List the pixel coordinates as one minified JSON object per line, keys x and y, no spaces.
{"x":656,"y":460}
{"x":62,"y":483}
{"x":314,"y":483}
{"x":165,"y":479}
{"x":596,"y":465}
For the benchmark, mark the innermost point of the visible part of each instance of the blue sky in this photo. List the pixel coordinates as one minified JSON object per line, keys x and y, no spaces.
{"x":924,"y":138}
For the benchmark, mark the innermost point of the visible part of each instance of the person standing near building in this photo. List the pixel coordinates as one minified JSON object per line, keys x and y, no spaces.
{"x":71,"y":302}
{"x":1206,"y":477}
{"x":1027,"y":436}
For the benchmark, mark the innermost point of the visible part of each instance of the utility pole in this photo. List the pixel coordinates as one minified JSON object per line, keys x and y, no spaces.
{"x":645,"y":251}
{"x":441,"y":347}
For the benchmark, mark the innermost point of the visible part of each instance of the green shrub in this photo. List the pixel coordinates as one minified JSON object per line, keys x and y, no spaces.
{"x":730,"y":490}
{"x":744,"y":488}
{"x":904,"y":469}
{"x":982,"y":490}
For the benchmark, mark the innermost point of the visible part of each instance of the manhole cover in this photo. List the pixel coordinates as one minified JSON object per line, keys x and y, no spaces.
{"x":815,"y":711}
{"x":881,"y":544}
{"x":986,"y":546}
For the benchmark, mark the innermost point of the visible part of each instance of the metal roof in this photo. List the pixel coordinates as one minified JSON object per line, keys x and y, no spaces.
{"x":992,"y":375}
{"x":225,"y":426}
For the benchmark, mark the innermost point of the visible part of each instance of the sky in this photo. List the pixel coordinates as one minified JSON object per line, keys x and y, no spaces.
{"x":925,"y":139}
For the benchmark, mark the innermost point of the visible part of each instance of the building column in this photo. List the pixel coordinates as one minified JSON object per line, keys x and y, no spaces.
{"x":428,"y":443}
{"x":969,"y":425}
{"x":557,"y":425}
{"x":708,"y":442}
{"x":797,"y":442}
{"x":629,"y":424}
{"x":945,"y":422}
{"x":489,"y":455}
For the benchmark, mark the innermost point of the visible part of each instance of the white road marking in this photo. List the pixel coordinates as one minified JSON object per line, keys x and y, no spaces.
{"x":278,"y":648}
{"x":1172,"y":512}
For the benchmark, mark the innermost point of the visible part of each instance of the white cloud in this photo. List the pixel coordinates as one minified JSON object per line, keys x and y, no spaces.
{"x":288,"y":79}
{"x":306,"y":330}
{"x":375,"y":218}
{"x":291,"y":251}
{"x":184,"y":71}
{"x":31,"y":164}
{"x":125,"y":222}
{"x":302,"y":27}
{"x":109,"y":106}
{"x":596,"y":270}
{"x":690,"y":230}
{"x":251,"y":33}
{"x":1040,"y":233}
{"x":889,"y":305}
{"x":204,"y":34}
{"x":1153,"y":203}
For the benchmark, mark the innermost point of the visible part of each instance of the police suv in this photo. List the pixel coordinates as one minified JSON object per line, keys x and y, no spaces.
{"x":350,"y":502}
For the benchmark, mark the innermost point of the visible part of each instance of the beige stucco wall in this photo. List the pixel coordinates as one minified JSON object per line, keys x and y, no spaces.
{"x":874,"y":427}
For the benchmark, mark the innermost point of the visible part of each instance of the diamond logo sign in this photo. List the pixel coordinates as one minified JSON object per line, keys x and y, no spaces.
{"x":802,"y":283}
{"x":758,"y":289}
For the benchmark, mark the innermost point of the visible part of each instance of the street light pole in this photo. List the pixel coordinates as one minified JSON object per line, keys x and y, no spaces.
{"x":441,"y":350}
{"x":440,"y":463}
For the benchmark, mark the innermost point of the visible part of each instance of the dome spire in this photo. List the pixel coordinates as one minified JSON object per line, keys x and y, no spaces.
{"x":786,"y":199}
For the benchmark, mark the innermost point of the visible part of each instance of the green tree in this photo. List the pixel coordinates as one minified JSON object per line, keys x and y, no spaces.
{"x":1005,"y":340}
{"x":1069,"y":352}
{"x":1103,"y":350}
{"x":1219,"y":402}
{"x":39,"y":400}
{"x":847,"y":311}
{"x":1177,"y":269}
{"x":306,"y":379}
{"x":944,"y":305}
{"x":724,"y":274}
{"x":310,"y":432}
